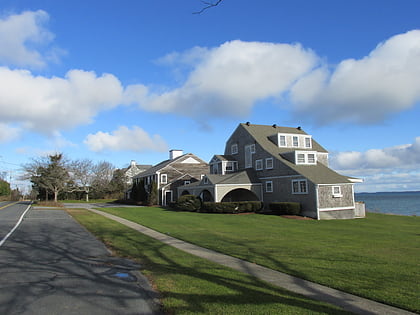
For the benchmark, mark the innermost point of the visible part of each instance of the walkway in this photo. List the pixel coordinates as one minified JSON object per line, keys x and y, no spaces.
{"x":309,"y":289}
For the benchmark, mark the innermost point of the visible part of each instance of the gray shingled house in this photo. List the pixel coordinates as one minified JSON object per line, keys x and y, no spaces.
{"x":180,"y":169}
{"x":278,"y":164}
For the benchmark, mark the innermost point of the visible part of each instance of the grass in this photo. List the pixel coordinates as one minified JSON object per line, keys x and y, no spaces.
{"x":377,"y":257}
{"x":192,"y":285}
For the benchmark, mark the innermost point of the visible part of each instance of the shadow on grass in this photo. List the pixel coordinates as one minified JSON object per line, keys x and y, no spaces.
{"x":189,"y":284}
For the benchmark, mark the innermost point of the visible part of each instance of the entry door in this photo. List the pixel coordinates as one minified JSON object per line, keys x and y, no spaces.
{"x":168,"y":197}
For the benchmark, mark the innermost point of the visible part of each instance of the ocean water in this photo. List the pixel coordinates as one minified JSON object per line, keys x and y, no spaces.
{"x":401,"y":203}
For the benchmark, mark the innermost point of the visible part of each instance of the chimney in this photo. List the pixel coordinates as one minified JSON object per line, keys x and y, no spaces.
{"x":173,"y":154}
{"x":133,"y":163}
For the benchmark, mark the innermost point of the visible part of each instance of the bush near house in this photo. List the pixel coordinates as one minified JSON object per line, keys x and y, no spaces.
{"x":231,"y":207}
{"x":292,"y":208}
{"x":188,"y":203}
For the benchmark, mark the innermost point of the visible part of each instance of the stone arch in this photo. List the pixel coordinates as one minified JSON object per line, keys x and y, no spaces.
{"x":240,"y":194}
{"x":185,"y":192}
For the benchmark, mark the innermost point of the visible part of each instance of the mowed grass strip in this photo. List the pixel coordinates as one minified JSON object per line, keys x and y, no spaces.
{"x":192,"y":285}
{"x":376,"y":257}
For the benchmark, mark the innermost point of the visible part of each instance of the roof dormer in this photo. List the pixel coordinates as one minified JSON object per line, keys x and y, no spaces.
{"x":290,"y":140}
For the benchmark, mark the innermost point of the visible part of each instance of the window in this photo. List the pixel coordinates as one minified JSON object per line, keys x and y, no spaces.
{"x":163,"y":179}
{"x":234,"y":148}
{"x":282,"y":141}
{"x":336,"y":191}
{"x":269,"y":186}
{"x":269,"y":163}
{"x":311,"y":158}
{"x":248,"y":155}
{"x":187,"y":182}
{"x":299,"y":186}
{"x":259,"y":165}
{"x":252,"y":148}
{"x":308,"y":143}
{"x":295,"y":141}
{"x":301,"y":158}
{"x":206,"y":180}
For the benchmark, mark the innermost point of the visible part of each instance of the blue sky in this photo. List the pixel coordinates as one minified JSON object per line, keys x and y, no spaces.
{"x":130,"y":80}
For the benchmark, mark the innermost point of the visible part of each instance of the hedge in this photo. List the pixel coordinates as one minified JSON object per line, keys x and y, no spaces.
{"x":188,"y":203}
{"x":292,"y":208}
{"x":231,"y":207}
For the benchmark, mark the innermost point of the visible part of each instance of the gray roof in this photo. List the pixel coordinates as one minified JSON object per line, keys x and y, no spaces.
{"x":225,"y":157}
{"x":247,"y":176}
{"x":318,"y":174}
{"x":152,"y":170}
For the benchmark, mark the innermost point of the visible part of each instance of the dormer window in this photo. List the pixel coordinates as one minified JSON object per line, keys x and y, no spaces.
{"x":295,"y":141}
{"x":308,"y":142}
{"x":282,"y":140}
{"x":305,"y":157}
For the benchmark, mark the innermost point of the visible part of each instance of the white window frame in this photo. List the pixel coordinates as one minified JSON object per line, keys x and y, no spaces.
{"x":280,"y":141}
{"x":314,"y":160}
{"x":337,"y":194}
{"x":187,"y":182}
{"x":299,"y":190}
{"x":252,"y":148}
{"x":295,"y":144}
{"x":308,"y":142}
{"x":259,"y":165}
{"x":206,"y":180}
{"x":300,"y":158}
{"x":163,"y":178}
{"x":234,"y":148}
{"x":269,"y":186}
{"x":267,"y":160}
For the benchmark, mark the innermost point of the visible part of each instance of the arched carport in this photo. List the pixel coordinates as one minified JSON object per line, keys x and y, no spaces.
{"x":240,"y":194}
{"x":206,"y":195}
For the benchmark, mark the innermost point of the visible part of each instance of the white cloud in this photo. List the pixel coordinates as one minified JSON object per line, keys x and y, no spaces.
{"x":50,"y":104}
{"x":19,"y":33}
{"x":402,"y":156}
{"x":387,"y":169}
{"x":125,"y":139}
{"x":230,"y":79}
{"x":368,"y":90}
{"x":8,"y":133}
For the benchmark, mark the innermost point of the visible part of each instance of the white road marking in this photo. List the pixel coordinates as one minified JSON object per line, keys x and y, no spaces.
{"x":15,"y":227}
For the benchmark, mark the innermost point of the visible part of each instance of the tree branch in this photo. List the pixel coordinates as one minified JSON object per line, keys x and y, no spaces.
{"x":208,"y":5}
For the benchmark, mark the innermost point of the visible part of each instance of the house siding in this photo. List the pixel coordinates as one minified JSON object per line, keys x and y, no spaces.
{"x":326,"y":200}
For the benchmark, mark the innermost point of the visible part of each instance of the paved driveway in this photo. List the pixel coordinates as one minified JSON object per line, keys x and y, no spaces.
{"x":52,"y":265}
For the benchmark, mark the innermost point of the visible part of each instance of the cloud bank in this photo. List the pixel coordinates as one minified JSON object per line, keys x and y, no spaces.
{"x":125,"y":139}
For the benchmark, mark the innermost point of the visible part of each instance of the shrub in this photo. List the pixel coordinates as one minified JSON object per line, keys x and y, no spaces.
{"x":188,"y":203}
{"x":231,"y":207}
{"x":292,"y":208}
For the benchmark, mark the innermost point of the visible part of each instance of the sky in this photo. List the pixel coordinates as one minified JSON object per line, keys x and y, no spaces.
{"x":130,"y":80}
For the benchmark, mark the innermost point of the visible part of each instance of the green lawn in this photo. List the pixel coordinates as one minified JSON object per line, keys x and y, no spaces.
{"x":377,"y":257}
{"x":192,"y":285}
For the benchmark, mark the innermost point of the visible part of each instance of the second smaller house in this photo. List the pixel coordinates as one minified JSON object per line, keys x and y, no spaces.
{"x":180,"y":169}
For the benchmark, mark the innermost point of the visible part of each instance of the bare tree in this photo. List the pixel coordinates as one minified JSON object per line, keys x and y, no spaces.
{"x":82,"y":175}
{"x":208,"y":5}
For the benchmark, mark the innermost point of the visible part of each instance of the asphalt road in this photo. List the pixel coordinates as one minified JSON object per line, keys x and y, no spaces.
{"x":52,"y":265}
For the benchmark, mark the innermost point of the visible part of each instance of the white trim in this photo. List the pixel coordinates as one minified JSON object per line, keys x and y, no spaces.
{"x":338,"y":208}
{"x":272,"y":163}
{"x":227,"y":185}
{"x":299,"y":192}
{"x":266,"y":187}
{"x":162,"y":176}
{"x":261,"y":165}
{"x":317,"y":201}
{"x":235,"y":145}
{"x":334,"y":194}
